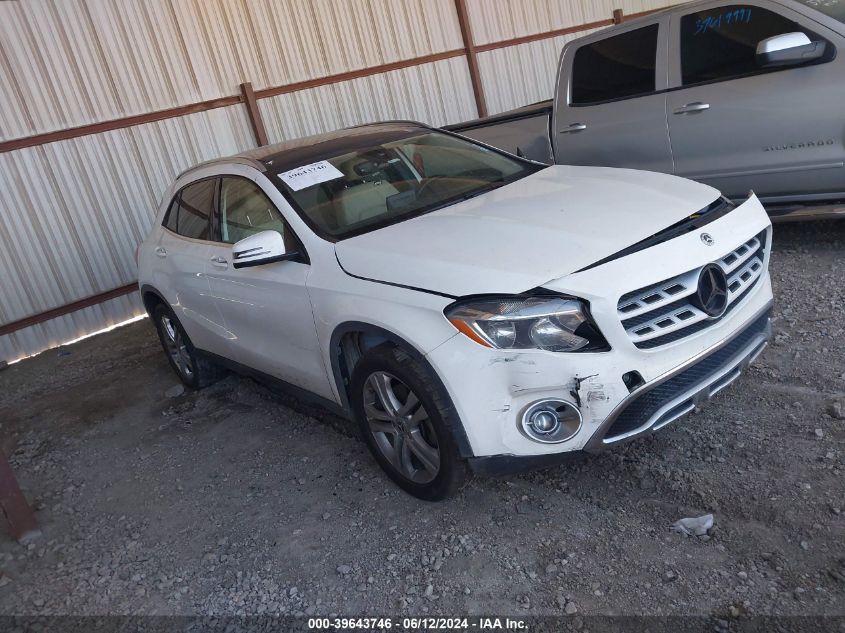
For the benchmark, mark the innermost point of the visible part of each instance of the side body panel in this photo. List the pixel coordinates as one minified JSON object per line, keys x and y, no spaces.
{"x":267,"y":309}
{"x":184,"y":276}
{"x":176,"y":267}
{"x":780,"y":133}
{"x":411,"y":316}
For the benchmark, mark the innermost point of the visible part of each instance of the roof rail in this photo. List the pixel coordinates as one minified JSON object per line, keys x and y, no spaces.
{"x":240,"y":160}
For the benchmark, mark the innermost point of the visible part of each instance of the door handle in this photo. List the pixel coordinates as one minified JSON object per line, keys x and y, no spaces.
{"x":161,"y":251}
{"x":692,"y":108}
{"x":575,"y":127}
{"x":219,"y":261}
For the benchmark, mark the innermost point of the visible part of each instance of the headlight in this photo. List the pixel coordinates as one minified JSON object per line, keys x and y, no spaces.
{"x":555,"y":324}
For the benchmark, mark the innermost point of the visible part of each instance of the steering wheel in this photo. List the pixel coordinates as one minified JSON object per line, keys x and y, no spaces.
{"x":423,"y":187}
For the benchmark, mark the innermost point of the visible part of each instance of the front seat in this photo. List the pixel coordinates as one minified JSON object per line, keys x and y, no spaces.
{"x":363,"y":200}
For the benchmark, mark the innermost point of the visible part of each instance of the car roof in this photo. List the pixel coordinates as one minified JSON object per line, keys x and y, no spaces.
{"x":294,"y":153}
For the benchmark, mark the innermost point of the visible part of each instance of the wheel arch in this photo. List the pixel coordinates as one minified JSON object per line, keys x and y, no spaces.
{"x":372,"y":336}
{"x":151,"y":298}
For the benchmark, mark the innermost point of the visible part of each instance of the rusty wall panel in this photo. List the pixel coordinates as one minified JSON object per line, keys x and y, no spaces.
{"x":496,"y":20}
{"x":65,"y":63}
{"x":74,"y":211}
{"x":437,"y":94}
{"x":55,"y":332}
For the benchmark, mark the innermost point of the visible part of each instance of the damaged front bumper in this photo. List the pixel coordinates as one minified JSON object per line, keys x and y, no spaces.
{"x":654,"y":405}
{"x":640,"y":385}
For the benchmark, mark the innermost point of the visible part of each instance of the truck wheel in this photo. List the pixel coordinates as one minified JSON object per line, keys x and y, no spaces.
{"x":193,"y":370}
{"x":403,"y":416}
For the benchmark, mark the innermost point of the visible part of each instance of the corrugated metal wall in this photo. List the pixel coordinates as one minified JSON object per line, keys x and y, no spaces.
{"x":436,"y":93}
{"x":72,"y":211}
{"x":67,"y":63}
{"x":497,"y":20}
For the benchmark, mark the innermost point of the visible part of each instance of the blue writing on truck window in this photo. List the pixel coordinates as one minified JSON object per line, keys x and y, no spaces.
{"x":715,"y":22}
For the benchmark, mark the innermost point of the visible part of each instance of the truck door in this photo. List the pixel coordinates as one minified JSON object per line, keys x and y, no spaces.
{"x":739,"y":123}
{"x":610,"y":101}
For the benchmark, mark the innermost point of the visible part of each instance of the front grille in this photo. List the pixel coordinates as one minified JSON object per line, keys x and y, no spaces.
{"x":640,"y":412}
{"x":665,"y":312}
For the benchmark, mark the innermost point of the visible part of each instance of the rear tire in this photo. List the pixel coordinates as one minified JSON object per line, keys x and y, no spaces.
{"x":406,"y":420}
{"x":193,"y":370}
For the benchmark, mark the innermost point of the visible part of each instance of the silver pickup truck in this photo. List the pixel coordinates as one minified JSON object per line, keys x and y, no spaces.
{"x":739,"y":96}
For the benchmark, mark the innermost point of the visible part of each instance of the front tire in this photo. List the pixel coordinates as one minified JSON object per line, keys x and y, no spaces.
{"x":404,"y":416}
{"x":193,"y":370}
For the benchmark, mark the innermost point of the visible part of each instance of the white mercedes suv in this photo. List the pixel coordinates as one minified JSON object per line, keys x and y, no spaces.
{"x":469,"y":309}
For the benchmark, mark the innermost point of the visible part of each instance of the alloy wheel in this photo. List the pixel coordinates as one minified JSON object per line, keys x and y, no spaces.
{"x":177,"y":348}
{"x":401,"y":427}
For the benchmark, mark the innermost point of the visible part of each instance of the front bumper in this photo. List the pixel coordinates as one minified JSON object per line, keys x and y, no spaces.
{"x":653,"y":406}
{"x":664,"y":400}
{"x":492,"y":389}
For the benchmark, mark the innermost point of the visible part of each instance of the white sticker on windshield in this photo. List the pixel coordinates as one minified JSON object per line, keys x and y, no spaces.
{"x":308,"y":175}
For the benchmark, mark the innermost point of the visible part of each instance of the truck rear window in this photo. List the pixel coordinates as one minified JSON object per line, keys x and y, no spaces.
{"x":616,"y":67}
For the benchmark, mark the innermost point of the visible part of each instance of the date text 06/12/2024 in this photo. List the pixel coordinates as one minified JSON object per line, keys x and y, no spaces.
{"x":419,"y":624}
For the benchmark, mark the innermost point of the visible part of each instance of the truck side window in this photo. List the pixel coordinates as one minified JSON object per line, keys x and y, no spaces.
{"x":721,"y":43}
{"x":615,"y":67}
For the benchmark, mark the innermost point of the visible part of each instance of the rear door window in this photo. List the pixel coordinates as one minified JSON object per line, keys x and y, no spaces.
{"x":616,"y":67}
{"x":171,"y":220}
{"x":721,"y":43}
{"x":190,"y":212}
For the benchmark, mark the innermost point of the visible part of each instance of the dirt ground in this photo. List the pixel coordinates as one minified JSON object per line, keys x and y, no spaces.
{"x":236,"y":500}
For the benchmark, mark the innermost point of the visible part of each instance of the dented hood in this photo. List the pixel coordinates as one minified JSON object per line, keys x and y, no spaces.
{"x":525,"y":234}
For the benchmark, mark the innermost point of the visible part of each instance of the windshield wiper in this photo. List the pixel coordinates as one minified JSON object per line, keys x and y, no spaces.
{"x":495,"y":184}
{"x":448,"y":202}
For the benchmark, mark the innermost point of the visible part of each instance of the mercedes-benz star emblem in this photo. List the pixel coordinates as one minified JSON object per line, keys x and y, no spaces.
{"x":712,"y":293}
{"x":707,"y":239}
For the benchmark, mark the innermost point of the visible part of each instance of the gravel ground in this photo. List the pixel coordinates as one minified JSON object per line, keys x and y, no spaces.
{"x":236,"y":500}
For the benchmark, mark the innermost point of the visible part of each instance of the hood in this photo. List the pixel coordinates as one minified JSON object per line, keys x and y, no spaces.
{"x":525,"y":234}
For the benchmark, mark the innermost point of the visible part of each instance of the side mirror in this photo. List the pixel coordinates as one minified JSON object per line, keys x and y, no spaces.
{"x":262,"y":248}
{"x":789,"y":49}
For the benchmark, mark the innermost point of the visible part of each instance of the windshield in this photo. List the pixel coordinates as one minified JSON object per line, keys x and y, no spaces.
{"x":832,"y":8}
{"x":374,"y":186}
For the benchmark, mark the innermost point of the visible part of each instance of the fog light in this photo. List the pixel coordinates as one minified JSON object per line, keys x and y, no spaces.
{"x":551,"y":421}
{"x":543,"y":421}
